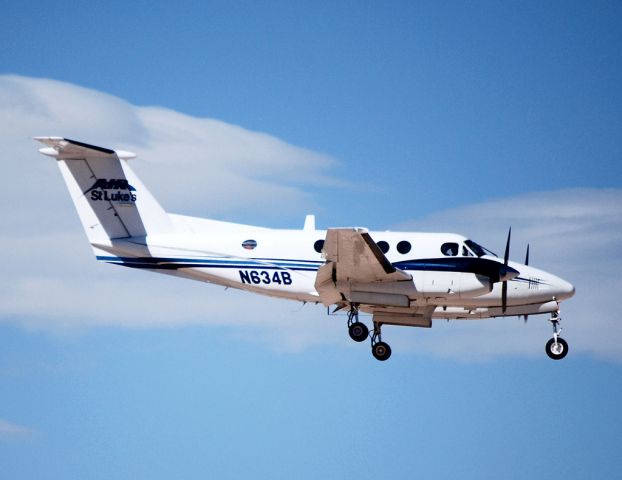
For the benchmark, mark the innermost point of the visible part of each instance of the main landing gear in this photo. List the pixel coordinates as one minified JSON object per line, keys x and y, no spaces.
{"x":380,"y":350}
{"x":359,"y":332}
{"x":556,"y":348}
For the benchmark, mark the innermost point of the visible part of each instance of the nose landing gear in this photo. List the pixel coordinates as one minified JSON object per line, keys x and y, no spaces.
{"x":556,"y":348}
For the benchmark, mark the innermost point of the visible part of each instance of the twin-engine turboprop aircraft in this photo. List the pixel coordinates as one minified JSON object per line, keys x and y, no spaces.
{"x":399,"y":278}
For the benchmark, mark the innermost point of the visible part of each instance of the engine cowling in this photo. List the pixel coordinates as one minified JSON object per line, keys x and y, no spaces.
{"x":451,"y":284}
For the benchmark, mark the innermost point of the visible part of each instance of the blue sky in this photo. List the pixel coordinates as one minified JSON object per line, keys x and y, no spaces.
{"x":456,"y":116}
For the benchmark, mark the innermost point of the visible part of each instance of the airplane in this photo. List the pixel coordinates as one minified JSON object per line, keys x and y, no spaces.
{"x":400,"y":278}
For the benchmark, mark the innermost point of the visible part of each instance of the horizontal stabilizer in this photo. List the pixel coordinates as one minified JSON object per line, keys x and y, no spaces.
{"x":66,"y":149}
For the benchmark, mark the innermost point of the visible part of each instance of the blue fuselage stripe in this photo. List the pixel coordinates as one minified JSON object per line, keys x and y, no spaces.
{"x":485,"y":267}
{"x":175,"y":263}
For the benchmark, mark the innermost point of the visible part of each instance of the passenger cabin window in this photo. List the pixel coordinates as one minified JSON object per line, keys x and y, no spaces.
{"x":449,"y":249}
{"x":383,"y":246}
{"x":249,"y":244}
{"x":403,"y":247}
{"x":318,"y":246}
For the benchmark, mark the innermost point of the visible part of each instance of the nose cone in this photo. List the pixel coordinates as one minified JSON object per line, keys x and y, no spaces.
{"x":561,"y":288}
{"x":546,"y":285}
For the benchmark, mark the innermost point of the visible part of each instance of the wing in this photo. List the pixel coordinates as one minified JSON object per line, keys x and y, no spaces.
{"x":357,"y":271}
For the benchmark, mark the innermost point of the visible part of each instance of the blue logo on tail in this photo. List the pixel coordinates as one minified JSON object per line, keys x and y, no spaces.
{"x":100,"y":191}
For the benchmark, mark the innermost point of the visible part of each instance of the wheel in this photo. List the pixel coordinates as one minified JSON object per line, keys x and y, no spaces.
{"x":558,"y":350}
{"x":381,"y":351}
{"x":358,"y":331}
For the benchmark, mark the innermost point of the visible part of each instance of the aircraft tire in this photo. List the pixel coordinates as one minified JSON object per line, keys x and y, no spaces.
{"x":381,"y":351}
{"x":559,"y":354}
{"x":358,"y":331}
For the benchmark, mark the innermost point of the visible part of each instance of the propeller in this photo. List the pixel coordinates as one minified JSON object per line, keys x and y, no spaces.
{"x":504,"y":285}
{"x":525,"y":317}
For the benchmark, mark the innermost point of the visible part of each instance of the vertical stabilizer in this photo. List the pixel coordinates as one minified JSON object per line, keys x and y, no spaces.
{"x":110,"y":199}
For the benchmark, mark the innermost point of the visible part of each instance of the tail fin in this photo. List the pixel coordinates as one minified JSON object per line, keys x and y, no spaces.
{"x":111,"y":201}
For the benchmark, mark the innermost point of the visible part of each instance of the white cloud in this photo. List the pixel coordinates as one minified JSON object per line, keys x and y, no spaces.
{"x":50,"y":281}
{"x":12,"y":431}
{"x":576,"y":234}
{"x":193,"y":165}
{"x":218,"y":168}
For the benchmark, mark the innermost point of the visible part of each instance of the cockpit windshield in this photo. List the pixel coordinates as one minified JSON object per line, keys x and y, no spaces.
{"x":478,"y":249}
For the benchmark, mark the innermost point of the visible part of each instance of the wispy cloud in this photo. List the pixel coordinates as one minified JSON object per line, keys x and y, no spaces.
{"x":218,"y":168}
{"x":194,"y":165}
{"x":12,"y":431}
{"x":50,"y":281}
{"x":576,"y":234}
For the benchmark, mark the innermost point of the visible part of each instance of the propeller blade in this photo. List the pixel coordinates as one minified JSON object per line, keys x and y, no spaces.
{"x":506,"y":257}
{"x":527,"y":256}
{"x":504,"y":286}
{"x":504,"y":296}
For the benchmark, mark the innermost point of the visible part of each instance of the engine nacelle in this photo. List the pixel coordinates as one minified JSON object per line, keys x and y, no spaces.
{"x":451,"y":284}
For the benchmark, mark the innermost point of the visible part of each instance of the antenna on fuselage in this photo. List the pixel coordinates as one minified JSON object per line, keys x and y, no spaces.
{"x":309,"y":223}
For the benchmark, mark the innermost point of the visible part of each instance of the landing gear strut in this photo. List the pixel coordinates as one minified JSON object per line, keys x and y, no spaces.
{"x":556,"y":348}
{"x":380,"y":350}
{"x":358,"y":330}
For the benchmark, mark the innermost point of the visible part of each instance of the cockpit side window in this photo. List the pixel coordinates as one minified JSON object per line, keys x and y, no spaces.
{"x":466,"y":252}
{"x":478,"y":249}
{"x":450,"y":249}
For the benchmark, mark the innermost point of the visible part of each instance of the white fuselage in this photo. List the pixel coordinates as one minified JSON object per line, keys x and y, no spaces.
{"x":401,"y":278}
{"x":284,"y":263}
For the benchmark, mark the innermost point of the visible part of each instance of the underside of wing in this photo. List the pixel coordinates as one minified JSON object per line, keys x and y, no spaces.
{"x":357,"y":271}
{"x":416,"y":317}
